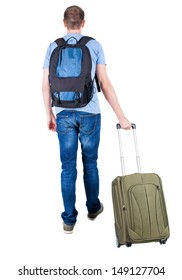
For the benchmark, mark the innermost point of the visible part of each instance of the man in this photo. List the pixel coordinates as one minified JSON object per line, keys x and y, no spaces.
{"x":80,"y":123}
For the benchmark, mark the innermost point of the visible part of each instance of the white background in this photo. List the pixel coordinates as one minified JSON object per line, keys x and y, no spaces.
{"x":143,"y":48}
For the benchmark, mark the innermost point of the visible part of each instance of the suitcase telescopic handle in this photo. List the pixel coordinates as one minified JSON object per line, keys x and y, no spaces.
{"x":118,"y":126}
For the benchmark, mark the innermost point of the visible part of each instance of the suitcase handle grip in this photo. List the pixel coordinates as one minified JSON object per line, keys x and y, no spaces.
{"x":118,"y":126}
{"x":133,"y":125}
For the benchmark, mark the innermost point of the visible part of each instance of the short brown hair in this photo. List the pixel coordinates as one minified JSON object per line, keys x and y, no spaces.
{"x":74,"y":17}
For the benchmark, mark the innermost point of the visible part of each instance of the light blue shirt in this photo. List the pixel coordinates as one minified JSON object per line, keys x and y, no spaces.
{"x":97,"y":56}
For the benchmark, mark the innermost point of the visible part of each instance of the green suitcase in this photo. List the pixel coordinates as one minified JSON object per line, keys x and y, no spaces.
{"x":140,"y":212}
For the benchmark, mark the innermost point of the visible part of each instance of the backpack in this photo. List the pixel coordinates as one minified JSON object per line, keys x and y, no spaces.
{"x":70,"y":80}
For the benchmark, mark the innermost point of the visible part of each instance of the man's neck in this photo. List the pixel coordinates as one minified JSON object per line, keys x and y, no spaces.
{"x":73,"y":31}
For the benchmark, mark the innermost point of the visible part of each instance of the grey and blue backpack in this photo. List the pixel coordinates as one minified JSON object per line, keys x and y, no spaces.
{"x":70,"y":80}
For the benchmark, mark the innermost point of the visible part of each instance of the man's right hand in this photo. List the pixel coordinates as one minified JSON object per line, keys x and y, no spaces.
{"x":51,"y":123}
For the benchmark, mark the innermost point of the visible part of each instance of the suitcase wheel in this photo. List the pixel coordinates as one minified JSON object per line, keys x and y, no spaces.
{"x":128,"y":244}
{"x":163,"y":241}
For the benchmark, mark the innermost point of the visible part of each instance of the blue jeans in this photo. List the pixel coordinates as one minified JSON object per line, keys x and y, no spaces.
{"x":85,"y":127}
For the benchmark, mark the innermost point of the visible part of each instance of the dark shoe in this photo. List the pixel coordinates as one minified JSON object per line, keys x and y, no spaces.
{"x":92,"y":216}
{"x":68,"y":228}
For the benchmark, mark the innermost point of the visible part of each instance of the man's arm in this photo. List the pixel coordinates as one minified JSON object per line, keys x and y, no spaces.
{"x":110,"y":95}
{"x":51,"y":121}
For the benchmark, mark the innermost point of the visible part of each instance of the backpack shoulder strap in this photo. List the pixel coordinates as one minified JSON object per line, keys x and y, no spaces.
{"x":85,"y":39}
{"x":60,"y":41}
{"x":97,"y":83}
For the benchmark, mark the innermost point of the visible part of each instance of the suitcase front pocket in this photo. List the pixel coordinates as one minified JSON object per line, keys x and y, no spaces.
{"x":147,"y":218}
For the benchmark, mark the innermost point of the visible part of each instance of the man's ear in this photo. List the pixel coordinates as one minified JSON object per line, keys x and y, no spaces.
{"x":83,"y":23}
{"x":64,"y":22}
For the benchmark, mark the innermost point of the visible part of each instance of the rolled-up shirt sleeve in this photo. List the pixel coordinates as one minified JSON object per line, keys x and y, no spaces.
{"x":101,"y":56}
{"x":49,"y":51}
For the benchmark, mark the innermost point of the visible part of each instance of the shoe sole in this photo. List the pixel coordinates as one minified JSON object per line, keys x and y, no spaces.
{"x":68,"y":232}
